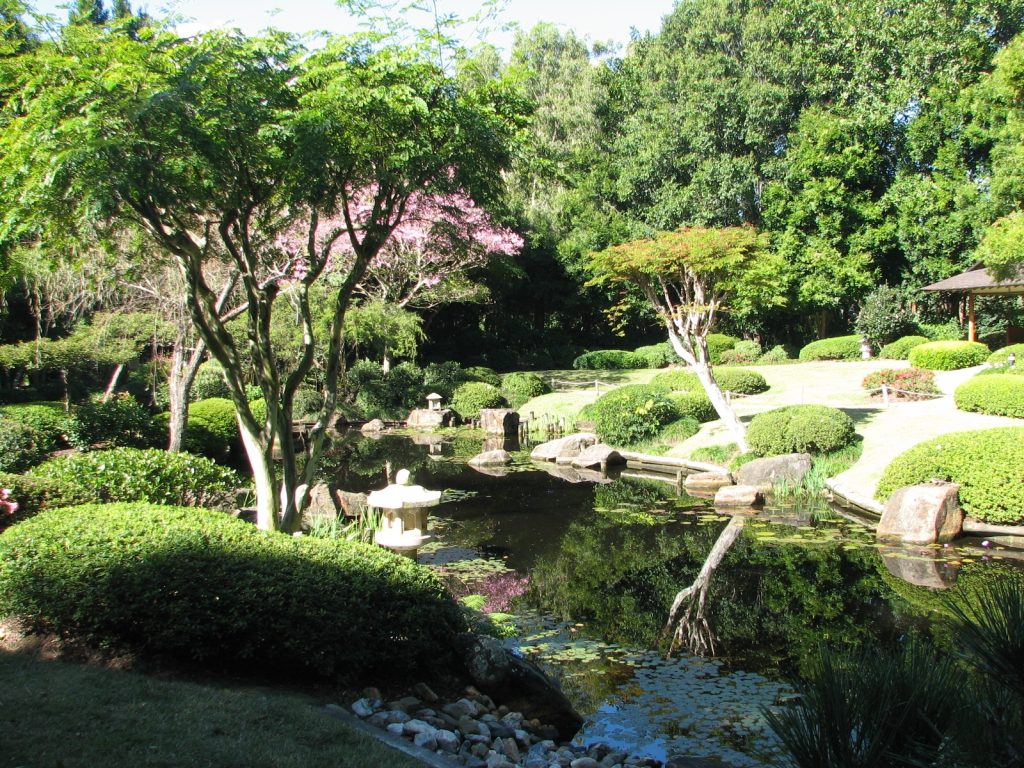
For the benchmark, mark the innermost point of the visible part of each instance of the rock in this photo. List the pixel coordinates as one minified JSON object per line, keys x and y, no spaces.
{"x":469,"y":726}
{"x":915,"y":567}
{"x":425,"y":740}
{"x":417,"y":726}
{"x":521,"y":685}
{"x":922,"y":514}
{"x":373,"y":427}
{"x":362,"y":708}
{"x":321,"y":506}
{"x":425,"y":693}
{"x":406,"y":704}
{"x":499,"y":421}
{"x":446,"y":741}
{"x":499,"y":458}
{"x":496,"y":760}
{"x":510,"y":749}
{"x":694,"y":762}
{"x":706,"y":481}
{"x":395,"y":729}
{"x":462,"y":708}
{"x":789,"y":468}
{"x":599,"y":455}
{"x":566,"y":447}
{"x":424,"y":418}
{"x":584,"y":762}
{"x":397,"y":716}
{"x":351,"y":504}
{"x":738,"y":496}
{"x":572,"y":475}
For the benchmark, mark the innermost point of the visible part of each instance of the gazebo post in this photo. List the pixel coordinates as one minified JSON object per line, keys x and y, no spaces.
{"x":972,"y":325}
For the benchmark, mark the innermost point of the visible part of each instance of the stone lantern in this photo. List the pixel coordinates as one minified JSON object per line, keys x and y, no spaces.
{"x":434,"y":401}
{"x":405,"y":522}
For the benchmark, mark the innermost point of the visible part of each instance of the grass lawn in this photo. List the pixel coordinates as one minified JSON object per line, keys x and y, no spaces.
{"x":60,"y":714}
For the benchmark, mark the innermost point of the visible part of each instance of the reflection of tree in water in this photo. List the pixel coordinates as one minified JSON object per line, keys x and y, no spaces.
{"x":358,"y":463}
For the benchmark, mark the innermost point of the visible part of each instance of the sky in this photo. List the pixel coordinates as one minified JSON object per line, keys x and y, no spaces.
{"x":597,"y":19}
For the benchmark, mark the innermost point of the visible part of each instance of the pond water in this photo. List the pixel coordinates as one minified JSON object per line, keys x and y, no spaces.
{"x":588,"y":571}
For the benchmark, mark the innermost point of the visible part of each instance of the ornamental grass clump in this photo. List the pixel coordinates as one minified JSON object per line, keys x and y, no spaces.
{"x":996,"y":394}
{"x":800,"y":429}
{"x":203,"y":587}
{"x":632,"y":414}
{"x":948,"y":355}
{"x":836,"y":348}
{"x":988,"y":465}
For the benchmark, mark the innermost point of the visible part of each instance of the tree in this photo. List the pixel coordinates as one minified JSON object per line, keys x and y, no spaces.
{"x":219,"y":145}
{"x":687,"y":276}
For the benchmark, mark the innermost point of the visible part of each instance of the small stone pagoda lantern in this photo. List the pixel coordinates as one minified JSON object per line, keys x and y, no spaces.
{"x":405,"y":522}
{"x":434,"y":401}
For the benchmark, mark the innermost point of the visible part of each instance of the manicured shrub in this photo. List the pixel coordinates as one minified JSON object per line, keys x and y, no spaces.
{"x":443,"y":378}
{"x":518,"y":388}
{"x":905,"y":383}
{"x":948,"y":355}
{"x":151,"y":475}
{"x":776,"y":354}
{"x":694,"y":404}
{"x":885,"y":316}
{"x":678,"y":380}
{"x":209,"y":382}
{"x":900,"y":349}
{"x":34,"y":494}
{"x":212,"y":428}
{"x":679,"y":430}
{"x":947,"y":331}
{"x":717,"y":344}
{"x":201,"y":586}
{"x":470,"y":397}
{"x":998,"y":394}
{"x":988,"y":464}
{"x":632,"y":414}
{"x":999,"y":357}
{"x":740,"y":381}
{"x":799,"y":429}
{"x":20,"y":447}
{"x":836,"y":348}
{"x":657,"y":355}
{"x":481,"y":373}
{"x":47,"y":420}
{"x":745,"y":351}
{"x":608,"y":360}
{"x":120,"y":421}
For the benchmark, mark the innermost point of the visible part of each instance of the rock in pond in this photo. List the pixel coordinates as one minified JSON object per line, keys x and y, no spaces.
{"x":738,"y":496}
{"x":569,"y":447}
{"x":922,"y":514}
{"x":427,"y":418}
{"x":789,"y":468}
{"x":499,"y":458}
{"x":372,"y":427}
{"x":599,"y":455}
{"x":499,"y":421}
{"x":707,"y":481}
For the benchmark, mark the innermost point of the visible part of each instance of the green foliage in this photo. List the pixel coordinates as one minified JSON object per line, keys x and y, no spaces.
{"x":997,"y":394}
{"x":694,"y":404}
{"x":740,"y":381}
{"x":201,"y":586}
{"x":120,"y":421}
{"x":209,"y":382}
{"x":948,"y":355}
{"x":609,"y":360}
{"x":745,"y":351}
{"x":885,"y":316}
{"x":947,"y":331}
{"x":1000,"y":356}
{"x":905,"y":382}
{"x":150,"y":475}
{"x":988,"y":465}
{"x":777,"y":354}
{"x":470,"y":397}
{"x":307,"y":403}
{"x":481,"y":373}
{"x":900,"y":349}
{"x":443,"y":378}
{"x":633,"y":413}
{"x":715,"y":454}
{"x":385,"y":396}
{"x":836,"y":348}
{"x":719,"y":343}
{"x":518,"y":388}
{"x":657,"y":355}
{"x":800,"y":429}
{"x":678,"y":380}
{"x":679,"y":430}
{"x":20,"y":446}
{"x":989,"y":631}
{"x":47,"y":420}
{"x":34,"y":494}
{"x":212,"y":428}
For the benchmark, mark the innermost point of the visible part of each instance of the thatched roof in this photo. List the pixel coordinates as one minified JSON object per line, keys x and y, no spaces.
{"x":977,"y":280}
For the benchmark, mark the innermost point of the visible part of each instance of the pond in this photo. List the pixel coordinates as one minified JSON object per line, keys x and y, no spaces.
{"x":589,"y":570}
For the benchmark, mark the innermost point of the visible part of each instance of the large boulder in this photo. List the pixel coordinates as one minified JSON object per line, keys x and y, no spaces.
{"x":499,"y":458}
{"x":789,"y":468}
{"x":321,"y":506}
{"x":568,"y":447}
{"x":373,"y":427}
{"x":922,"y":514}
{"x":518,"y":684}
{"x":706,"y":481}
{"x":426,"y":418}
{"x":599,"y":455}
{"x":351,"y":504}
{"x":499,"y":421}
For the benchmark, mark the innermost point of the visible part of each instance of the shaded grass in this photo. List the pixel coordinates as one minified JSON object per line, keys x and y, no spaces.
{"x":61,"y":714}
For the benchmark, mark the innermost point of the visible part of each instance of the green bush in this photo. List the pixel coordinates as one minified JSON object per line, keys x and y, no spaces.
{"x":717,"y":344}
{"x":34,"y":494}
{"x":948,"y":355}
{"x":740,"y":381}
{"x":1000,"y":356}
{"x":988,"y":464}
{"x":885,"y":316}
{"x":609,"y":360}
{"x":745,"y":351}
{"x":443,"y":378}
{"x":800,"y":429}
{"x":836,"y":348}
{"x":905,"y":383}
{"x":776,"y":354}
{"x":947,"y":331}
{"x":212,"y":428}
{"x":120,"y":421}
{"x":204,"y":587}
{"x":47,"y":420}
{"x":694,"y":404}
{"x":678,"y":380}
{"x":20,"y":447}
{"x":209,"y":382}
{"x":999,"y":395}
{"x":519,"y":388}
{"x":480,"y":373}
{"x":470,"y":397}
{"x":307,"y":403}
{"x":151,"y":475}
{"x":632,"y":414}
{"x":900,"y":349}
{"x":657,"y":355}
{"x":679,"y":430}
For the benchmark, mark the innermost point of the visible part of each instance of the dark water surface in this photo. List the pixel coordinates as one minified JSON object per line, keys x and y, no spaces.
{"x":590,"y":569}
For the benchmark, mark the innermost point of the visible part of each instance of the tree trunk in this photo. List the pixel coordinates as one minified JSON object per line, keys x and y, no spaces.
{"x":386,"y":364}
{"x":179,"y":385}
{"x":112,"y":384}
{"x":261,"y":463}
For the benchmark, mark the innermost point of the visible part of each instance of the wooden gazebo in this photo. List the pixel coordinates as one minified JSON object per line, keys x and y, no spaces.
{"x":977,"y":281}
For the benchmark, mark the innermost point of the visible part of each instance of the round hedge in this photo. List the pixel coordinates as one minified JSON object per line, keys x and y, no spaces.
{"x":609,"y":360}
{"x":120,"y":421}
{"x":657,"y":355}
{"x":34,"y":494}
{"x":948,"y":355}
{"x":209,"y":382}
{"x":900,"y":349}
{"x":836,"y":348}
{"x":719,"y":343}
{"x":519,"y":388}
{"x":150,"y":475}
{"x":988,"y":464}
{"x":481,"y":373}
{"x":997,"y":394}
{"x":632,"y":414}
{"x":694,"y":404}
{"x":212,"y":428}
{"x":740,"y":381}
{"x":999,"y":357}
{"x":201,"y":586}
{"x":48,"y":421}
{"x":799,"y":429}
{"x":470,"y":397}
{"x":679,"y":380}
{"x":679,"y":430}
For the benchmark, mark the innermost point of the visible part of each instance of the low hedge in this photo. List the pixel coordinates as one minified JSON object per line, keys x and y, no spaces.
{"x":679,"y":380}
{"x":906,"y":383}
{"x":719,"y":343}
{"x":948,"y":355}
{"x":481,"y":373}
{"x":988,"y":464}
{"x":800,"y":429}
{"x":20,"y":447}
{"x":777,"y":354}
{"x":609,"y":360}
{"x":470,"y":397}
{"x":745,"y":351}
{"x":679,"y":430}
{"x":1000,"y":356}
{"x":836,"y":348}
{"x":997,"y":394}
{"x":34,"y":494}
{"x":632,"y":414}
{"x":204,"y":587}
{"x":657,"y":355}
{"x":120,"y":421}
{"x":519,"y":388}
{"x":740,"y":381}
{"x":47,"y":419}
{"x":900,"y":349}
{"x":694,"y":404}
{"x":150,"y":475}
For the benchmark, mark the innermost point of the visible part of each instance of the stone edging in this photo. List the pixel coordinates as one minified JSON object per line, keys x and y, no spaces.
{"x":397,"y":743}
